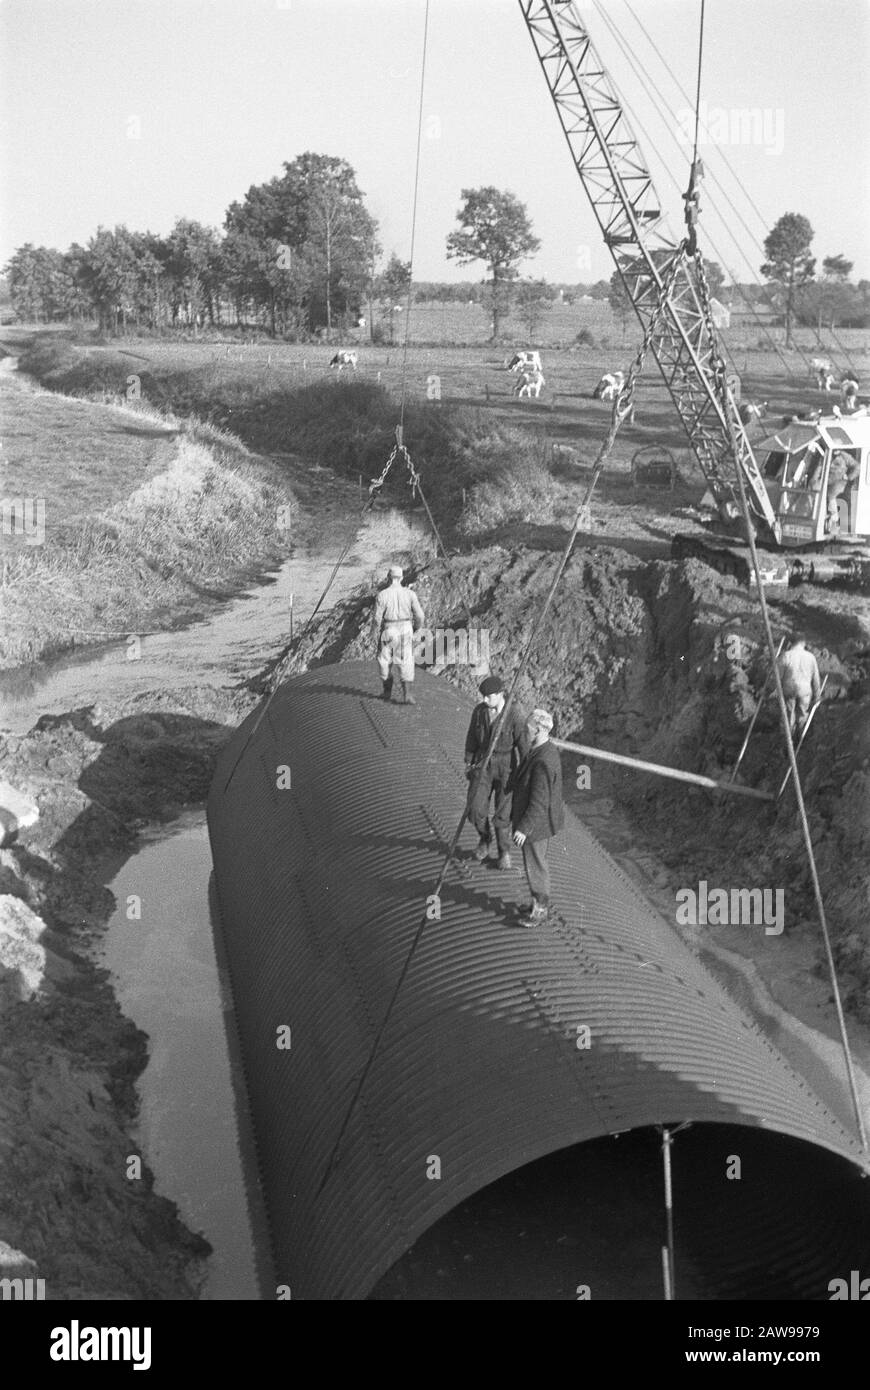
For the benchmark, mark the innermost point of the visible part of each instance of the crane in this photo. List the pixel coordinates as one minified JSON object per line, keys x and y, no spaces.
{"x":665,"y":281}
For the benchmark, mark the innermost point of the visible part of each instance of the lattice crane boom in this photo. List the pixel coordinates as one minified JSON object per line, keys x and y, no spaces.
{"x":620,"y":188}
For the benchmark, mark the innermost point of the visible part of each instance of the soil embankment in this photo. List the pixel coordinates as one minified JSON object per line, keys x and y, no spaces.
{"x":122,"y":520}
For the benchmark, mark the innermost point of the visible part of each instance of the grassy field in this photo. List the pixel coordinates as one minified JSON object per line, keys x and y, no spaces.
{"x":494,"y":468}
{"x":248,"y":388}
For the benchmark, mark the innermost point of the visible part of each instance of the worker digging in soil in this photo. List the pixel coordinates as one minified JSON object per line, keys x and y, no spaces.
{"x":397,"y":616}
{"x":490,"y":781}
{"x":537,"y":812}
{"x":799,"y":673}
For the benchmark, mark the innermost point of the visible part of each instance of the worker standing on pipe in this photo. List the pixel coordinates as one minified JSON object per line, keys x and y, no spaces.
{"x":537,"y":813}
{"x":396,"y":618}
{"x":799,"y":673}
{"x":491,"y":781}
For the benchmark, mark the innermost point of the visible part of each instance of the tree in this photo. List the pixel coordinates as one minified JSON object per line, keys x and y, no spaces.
{"x":315,"y":211}
{"x":837,"y":268}
{"x":532,"y":298}
{"x":392,"y":285}
{"x":119,"y":270}
{"x":23,"y":270}
{"x":42,"y":284}
{"x":495,"y":229}
{"x":789,"y":264}
{"x":193,"y":265}
{"x":830,"y":302}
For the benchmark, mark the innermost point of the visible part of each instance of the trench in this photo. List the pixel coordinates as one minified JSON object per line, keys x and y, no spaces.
{"x":192,"y":1123}
{"x":596,"y":1209}
{"x":219,"y":651}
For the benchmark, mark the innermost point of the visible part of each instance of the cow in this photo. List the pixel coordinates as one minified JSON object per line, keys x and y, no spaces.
{"x":825,"y":381}
{"x":751,"y":412}
{"x":525,"y":361}
{"x":343,"y":359}
{"x":819,"y":364}
{"x":529,"y":383}
{"x":609,"y":386}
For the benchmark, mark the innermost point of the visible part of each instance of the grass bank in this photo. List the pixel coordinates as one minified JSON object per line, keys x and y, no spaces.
{"x":479,"y":470}
{"x":120,"y":519}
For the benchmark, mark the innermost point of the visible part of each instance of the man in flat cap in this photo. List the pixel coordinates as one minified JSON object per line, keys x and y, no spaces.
{"x":537,"y":813}
{"x":491,"y":783}
{"x":397,"y":616}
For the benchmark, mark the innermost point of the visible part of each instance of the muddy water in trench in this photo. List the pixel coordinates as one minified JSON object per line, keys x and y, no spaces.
{"x":222,"y":649}
{"x":192,"y":1128}
{"x":192,"y":1125}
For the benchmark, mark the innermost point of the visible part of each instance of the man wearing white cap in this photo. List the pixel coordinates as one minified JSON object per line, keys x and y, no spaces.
{"x":396,"y":617}
{"x":537,"y":813}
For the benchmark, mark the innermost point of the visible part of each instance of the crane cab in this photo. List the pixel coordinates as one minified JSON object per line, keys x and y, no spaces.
{"x":803,"y":466}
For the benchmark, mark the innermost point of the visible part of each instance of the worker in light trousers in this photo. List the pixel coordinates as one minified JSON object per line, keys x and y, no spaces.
{"x":397,"y":616}
{"x":537,"y":812}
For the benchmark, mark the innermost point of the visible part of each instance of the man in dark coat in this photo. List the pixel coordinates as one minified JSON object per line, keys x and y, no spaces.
{"x":537,"y":813}
{"x":492,"y":781}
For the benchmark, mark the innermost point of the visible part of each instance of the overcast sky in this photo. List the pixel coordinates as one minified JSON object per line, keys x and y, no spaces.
{"x":140,"y":111}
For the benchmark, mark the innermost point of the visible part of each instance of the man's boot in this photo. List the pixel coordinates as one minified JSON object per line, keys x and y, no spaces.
{"x":406,"y":693}
{"x":504,"y":860}
{"x":388,"y":689}
{"x":537,"y":916}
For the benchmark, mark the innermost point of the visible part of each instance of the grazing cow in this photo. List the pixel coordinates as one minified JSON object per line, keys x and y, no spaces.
{"x":343,"y":359}
{"x":525,"y":361}
{"x":825,"y":380}
{"x":819,"y":364}
{"x":751,"y":412}
{"x":609,"y":386}
{"x":529,"y":383}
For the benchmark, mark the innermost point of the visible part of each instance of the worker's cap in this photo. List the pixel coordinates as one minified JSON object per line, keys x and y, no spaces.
{"x":542,"y":719}
{"x":491,"y":686}
{"x":397,"y":571}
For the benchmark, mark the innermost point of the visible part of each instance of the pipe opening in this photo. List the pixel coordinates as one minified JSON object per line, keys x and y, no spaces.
{"x":592,"y":1216}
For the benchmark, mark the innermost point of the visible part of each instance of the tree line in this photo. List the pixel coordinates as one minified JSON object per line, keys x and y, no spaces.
{"x":300,"y":257}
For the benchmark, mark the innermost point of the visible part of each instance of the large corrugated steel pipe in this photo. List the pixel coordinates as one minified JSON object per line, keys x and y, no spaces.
{"x":506,"y":1047}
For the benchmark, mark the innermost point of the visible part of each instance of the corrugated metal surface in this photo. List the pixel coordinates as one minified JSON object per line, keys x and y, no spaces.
{"x":321,"y":889}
